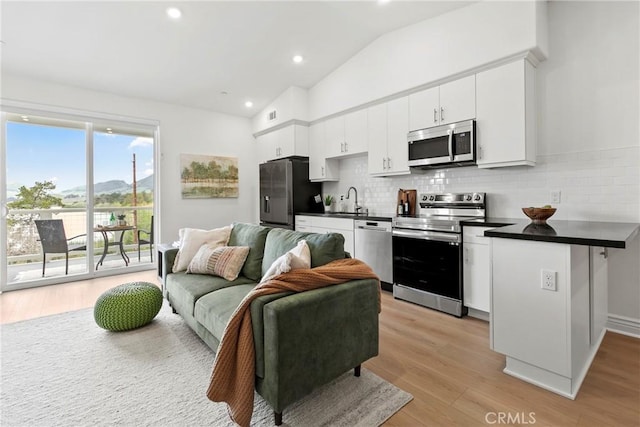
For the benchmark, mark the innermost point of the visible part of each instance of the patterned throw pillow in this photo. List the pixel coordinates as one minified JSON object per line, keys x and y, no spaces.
{"x":224,"y":261}
{"x":191,"y":239}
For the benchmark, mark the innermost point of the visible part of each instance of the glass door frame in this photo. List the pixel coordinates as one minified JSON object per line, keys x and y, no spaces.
{"x":89,"y":119}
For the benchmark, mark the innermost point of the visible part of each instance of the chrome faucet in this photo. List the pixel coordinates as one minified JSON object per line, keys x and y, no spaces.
{"x":356,"y":206}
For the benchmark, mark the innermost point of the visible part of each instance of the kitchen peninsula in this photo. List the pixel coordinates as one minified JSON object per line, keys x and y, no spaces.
{"x":549,"y":297}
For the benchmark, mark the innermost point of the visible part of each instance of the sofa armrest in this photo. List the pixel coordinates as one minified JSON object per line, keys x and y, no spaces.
{"x":311,"y":338}
{"x":168,"y":258}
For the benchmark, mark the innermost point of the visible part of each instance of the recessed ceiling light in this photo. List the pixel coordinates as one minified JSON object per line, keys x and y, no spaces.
{"x":174,"y":13}
{"x":298,"y":59}
{"x":248,"y":104}
{"x":224,"y":92}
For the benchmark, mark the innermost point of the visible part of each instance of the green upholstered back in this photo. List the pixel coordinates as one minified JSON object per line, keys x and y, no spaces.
{"x":324,"y":248}
{"x":253,"y":236}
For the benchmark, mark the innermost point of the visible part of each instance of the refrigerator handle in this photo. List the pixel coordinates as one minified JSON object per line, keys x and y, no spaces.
{"x":267,"y":208}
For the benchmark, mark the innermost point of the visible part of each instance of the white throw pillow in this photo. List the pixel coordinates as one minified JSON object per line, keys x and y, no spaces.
{"x":296,"y":258}
{"x":191,"y":239}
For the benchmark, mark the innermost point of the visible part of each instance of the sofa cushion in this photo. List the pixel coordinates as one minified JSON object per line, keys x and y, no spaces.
{"x":223,"y":261}
{"x":214,"y":310}
{"x":185,"y":289}
{"x":253,"y":236}
{"x":324,"y":247}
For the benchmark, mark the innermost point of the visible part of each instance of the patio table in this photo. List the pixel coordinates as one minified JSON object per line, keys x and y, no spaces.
{"x":104,"y":229}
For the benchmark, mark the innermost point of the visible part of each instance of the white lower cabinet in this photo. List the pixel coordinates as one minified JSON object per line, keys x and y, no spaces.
{"x":548,"y":335}
{"x":321,"y":225}
{"x":476,"y":269}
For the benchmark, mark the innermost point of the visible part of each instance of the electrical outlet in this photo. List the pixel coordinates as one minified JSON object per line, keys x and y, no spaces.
{"x":548,"y":280}
{"x":555,"y":196}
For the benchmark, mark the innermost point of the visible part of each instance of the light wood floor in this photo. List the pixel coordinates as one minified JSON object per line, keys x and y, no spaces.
{"x":444,"y":362}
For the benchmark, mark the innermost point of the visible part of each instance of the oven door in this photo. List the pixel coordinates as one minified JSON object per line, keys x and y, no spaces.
{"x":428,"y":261}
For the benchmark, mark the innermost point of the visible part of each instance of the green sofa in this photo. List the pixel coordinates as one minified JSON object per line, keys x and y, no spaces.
{"x":302,"y":340}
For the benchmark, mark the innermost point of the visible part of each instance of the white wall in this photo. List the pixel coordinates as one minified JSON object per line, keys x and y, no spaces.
{"x":588,"y":146}
{"x":291,"y":104}
{"x":182,"y":130}
{"x":431,"y":50}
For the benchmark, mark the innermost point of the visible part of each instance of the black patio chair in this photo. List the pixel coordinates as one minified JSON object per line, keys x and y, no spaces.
{"x":54,"y":241}
{"x":147,"y":241}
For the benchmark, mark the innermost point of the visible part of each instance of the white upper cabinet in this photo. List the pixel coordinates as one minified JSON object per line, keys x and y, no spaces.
{"x":292,"y":140}
{"x":334,"y":136}
{"x":346,"y":134}
{"x":506,"y":116}
{"x":320,"y":169}
{"x":448,"y":103}
{"x":424,"y":109}
{"x":355,"y":132}
{"x":397,"y":130}
{"x":377,"y":135}
{"x":388,"y":125}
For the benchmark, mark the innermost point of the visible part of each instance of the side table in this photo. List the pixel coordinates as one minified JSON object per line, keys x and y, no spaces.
{"x":162,"y":248}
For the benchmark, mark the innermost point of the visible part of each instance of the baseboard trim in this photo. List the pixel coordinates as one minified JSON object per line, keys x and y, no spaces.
{"x":624,"y":325}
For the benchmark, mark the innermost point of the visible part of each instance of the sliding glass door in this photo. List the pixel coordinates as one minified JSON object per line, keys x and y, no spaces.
{"x":77,"y":199}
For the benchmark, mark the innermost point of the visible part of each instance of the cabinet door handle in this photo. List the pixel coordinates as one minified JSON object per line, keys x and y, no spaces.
{"x":479,"y":152}
{"x":322,"y":169}
{"x":441,"y":114}
{"x":341,"y":147}
{"x":346,"y":149}
{"x":466,"y":255}
{"x":435,"y":115}
{"x":388,"y":162}
{"x":604,"y":253}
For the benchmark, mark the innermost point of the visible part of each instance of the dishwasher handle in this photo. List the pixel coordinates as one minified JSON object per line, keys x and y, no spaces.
{"x":373,"y":226}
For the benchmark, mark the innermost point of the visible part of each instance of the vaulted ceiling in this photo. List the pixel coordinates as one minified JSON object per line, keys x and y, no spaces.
{"x":216,"y":56}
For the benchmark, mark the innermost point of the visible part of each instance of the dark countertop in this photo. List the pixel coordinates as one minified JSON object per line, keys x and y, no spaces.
{"x":590,"y":233}
{"x":489,"y":222}
{"x":348,"y":216}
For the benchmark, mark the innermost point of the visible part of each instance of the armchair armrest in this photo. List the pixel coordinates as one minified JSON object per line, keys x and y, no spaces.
{"x":311,"y":338}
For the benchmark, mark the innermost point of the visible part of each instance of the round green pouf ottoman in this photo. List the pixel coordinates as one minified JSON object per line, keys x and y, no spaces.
{"x":128,"y":306}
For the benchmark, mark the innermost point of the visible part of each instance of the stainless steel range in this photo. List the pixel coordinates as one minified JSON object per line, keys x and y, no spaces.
{"x":427,"y":250}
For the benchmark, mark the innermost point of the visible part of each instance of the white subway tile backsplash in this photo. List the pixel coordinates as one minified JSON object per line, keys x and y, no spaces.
{"x":599,"y":185}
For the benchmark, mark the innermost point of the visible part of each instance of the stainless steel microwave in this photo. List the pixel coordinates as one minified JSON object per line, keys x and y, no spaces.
{"x":453,"y":144}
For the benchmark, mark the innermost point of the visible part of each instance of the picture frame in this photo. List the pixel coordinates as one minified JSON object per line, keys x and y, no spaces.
{"x":206,"y":176}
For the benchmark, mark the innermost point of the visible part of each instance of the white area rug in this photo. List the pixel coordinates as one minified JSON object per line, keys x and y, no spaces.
{"x":63,"y":370}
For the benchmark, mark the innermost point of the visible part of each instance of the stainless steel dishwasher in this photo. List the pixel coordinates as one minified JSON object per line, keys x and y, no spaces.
{"x":373,"y":246}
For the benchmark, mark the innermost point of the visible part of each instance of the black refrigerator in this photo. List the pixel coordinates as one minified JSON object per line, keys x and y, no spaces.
{"x":285,"y":190}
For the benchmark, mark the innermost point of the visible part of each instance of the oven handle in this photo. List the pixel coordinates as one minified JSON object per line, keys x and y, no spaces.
{"x":428,"y":235}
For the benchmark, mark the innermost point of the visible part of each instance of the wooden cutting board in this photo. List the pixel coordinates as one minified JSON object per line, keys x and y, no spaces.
{"x":407,"y":195}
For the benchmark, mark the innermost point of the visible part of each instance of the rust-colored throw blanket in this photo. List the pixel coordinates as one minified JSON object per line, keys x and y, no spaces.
{"x":233,"y":377}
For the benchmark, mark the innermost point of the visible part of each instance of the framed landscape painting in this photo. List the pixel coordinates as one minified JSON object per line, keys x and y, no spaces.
{"x":205,"y":177}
